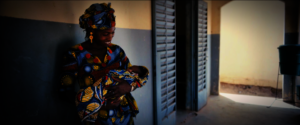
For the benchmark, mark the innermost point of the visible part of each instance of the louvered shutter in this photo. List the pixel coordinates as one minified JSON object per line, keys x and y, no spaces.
{"x":164,"y":61}
{"x":202,"y":51}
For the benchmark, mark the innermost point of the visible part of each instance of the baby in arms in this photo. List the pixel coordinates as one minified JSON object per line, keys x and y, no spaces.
{"x":90,"y":99}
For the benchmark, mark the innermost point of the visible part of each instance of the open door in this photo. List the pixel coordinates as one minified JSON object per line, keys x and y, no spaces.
{"x":201,"y":92}
{"x":164,"y":61}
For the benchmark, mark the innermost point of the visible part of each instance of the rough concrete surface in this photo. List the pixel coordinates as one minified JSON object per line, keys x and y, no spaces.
{"x":250,"y":90}
{"x":221,"y":110}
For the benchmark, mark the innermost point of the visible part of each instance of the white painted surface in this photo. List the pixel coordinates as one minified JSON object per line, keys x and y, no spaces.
{"x":251,"y":32}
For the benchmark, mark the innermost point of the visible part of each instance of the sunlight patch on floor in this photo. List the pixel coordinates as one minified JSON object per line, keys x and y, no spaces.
{"x":256,"y":100}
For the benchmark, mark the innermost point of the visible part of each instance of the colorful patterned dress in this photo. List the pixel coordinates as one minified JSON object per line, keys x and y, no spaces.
{"x":90,"y":99}
{"x":81,"y":65}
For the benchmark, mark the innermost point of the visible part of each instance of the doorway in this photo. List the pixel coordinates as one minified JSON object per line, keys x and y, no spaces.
{"x":251,"y":31}
{"x":191,"y":37}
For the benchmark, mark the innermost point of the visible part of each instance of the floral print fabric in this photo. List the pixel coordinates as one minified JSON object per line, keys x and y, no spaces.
{"x":86,"y":68}
{"x":90,"y":99}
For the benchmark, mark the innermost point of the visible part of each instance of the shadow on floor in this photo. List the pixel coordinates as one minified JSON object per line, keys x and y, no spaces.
{"x":232,"y":109}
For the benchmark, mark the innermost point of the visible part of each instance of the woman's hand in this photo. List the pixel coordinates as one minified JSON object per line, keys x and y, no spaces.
{"x":115,"y":92}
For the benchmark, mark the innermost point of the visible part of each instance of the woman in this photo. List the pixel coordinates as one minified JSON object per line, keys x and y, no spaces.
{"x":89,"y":61}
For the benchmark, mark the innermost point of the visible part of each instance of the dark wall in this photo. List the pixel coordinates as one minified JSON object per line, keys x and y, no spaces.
{"x":291,"y":36}
{"x":32,"y":53}
{"x":31,"y":61}
{"x":215,"y":63}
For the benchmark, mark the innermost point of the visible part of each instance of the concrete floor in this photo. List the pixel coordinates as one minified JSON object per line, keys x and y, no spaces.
{"x":232,"y":109}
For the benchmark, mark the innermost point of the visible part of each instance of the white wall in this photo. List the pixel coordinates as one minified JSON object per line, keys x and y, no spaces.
{"x":251,"y":31}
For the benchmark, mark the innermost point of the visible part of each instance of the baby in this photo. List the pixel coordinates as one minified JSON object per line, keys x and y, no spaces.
{"x":90,"y":99}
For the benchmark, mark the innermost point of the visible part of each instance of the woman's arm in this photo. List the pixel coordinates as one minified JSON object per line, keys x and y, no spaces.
{"x":68,"y":75}
{"x":123,"y":87}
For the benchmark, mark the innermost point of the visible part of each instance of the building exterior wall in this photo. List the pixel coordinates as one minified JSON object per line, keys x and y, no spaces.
{"x":251,"y":32}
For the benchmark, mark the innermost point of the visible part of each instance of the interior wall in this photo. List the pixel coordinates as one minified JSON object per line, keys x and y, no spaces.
{"x":251,"y":31}
{"x":36,"y":33}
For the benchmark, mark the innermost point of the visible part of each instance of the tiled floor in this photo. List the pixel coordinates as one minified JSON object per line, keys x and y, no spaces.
{"x":231,"y":109}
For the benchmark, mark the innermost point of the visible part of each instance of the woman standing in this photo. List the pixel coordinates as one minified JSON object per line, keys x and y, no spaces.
{"x":89,"y":61}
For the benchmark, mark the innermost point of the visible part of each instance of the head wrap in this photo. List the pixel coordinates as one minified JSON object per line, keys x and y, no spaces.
{"x":98,"y":16}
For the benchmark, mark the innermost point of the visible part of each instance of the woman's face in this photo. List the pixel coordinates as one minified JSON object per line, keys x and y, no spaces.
{"x":103,"y":37}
